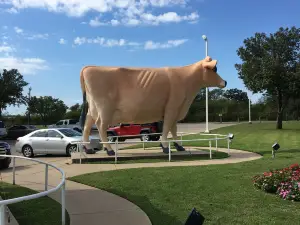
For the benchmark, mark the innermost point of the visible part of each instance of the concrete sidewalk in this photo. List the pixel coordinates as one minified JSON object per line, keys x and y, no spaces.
{"x":88,"y":205}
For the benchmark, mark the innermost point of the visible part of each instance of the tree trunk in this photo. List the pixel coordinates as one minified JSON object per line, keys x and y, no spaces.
{"x":279,"y":111}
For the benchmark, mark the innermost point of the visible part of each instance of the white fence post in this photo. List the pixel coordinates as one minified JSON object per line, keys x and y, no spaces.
{"x":2,"y":215}
{"x":46,"y":177}
{"x":143,"y":141}
{"x":63,"y":204}
{"x":14,"y":171}
{"x":216,"y":143}
{"x":181,"y":139}
{"x":116,"y":147}
{"x":169,"y":151}
{"x":210,"y":155}
{"x":228,"y":145}
{"x":80,"y":151}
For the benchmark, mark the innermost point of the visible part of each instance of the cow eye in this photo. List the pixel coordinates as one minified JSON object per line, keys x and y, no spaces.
{"x":215,"y":69}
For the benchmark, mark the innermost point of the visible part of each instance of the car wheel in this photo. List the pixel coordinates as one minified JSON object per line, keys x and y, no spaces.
{"x":111,"y":138}
{"x":155,"y":138}
{"x":70,"y":149}
{"x":145,"y":136}
{"x":27,"y":151}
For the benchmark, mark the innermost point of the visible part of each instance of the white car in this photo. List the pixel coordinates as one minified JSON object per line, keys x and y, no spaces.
{"x":3,"y":131}
{"x":54,"y":141}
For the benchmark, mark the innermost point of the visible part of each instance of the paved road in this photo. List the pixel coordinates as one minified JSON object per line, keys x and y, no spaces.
{"x":182,"y":127}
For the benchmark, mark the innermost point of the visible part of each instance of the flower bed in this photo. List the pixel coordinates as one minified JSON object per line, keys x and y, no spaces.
{"x":285,"y":182}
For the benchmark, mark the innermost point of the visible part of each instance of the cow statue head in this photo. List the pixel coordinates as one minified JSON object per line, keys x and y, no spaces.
{"x":210,"y":76}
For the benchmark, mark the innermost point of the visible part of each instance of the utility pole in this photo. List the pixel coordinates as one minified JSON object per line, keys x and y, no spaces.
{"x":28,"y":108}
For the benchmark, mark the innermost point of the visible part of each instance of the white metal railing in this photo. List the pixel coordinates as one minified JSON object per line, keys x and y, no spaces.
{"x":215,"y":138}
{"x":61,"y":186}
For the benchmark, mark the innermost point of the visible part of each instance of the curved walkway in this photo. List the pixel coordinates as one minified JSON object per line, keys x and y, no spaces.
{"x":88,"y":205}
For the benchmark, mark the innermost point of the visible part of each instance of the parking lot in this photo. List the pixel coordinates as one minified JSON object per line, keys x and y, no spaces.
{"x":182,"y":127}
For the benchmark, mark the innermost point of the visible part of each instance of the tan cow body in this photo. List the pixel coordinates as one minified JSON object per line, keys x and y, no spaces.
{"x":144,"y":95}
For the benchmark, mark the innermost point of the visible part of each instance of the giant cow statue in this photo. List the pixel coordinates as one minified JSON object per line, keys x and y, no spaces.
{"x":143,"y":95}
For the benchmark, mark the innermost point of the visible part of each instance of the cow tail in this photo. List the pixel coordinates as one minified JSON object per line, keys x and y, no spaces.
{"x":84,"y":107}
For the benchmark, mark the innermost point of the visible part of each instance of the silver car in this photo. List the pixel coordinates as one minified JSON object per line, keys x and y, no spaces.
{"x":55,"y":141}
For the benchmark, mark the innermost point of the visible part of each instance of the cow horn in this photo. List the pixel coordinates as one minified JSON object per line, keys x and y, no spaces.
{"x":210,"y":64}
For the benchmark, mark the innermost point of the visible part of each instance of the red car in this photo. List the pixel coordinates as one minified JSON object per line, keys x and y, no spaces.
{"x":135,"y":131}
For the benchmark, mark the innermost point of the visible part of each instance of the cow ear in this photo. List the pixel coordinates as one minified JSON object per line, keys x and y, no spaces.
{"x":210,"y":65}
{"x":207,"y":59}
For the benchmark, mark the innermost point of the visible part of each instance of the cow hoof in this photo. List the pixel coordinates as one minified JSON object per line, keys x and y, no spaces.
{"x":110,"y":152}
{"x":165,"y":149}
{"x":179,"y":147}
{"x":89,"y":151}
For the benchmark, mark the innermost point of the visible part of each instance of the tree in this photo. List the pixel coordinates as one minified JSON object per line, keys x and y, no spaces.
{"x":239,"y":97}
{"x":75,"y":107}
{"x":74,"y":112}
{"x":216,"y":94}
{"x":11,"y":89}
{"x":48,"y":108}
{"x":270,"y":64}
{"x":236,"y":95}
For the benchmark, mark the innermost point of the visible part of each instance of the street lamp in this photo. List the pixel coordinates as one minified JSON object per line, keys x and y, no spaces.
{"x":249,"y":109}
{"x":206,"y":94}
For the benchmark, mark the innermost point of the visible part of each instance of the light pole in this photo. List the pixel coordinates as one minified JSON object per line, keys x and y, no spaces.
{"x":28,"y":104}
{"x":206,"y":95}
{"x":249,"y":110}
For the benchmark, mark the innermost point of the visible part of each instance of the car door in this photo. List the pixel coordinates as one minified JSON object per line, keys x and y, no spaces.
{"x":20,"y":131}
{"x":11,"y":132}
{"x":38,"y":141}
{"x":55,"y":143}
{"x":59,"y":124}
{"x":125,"y":130}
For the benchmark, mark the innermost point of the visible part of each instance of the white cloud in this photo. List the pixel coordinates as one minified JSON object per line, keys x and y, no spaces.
{"x":37,"y":36}
{"x":31,"y":36}
{"x":101,"y":41}
{"x":12,"y":10}
{"x":6,"y":49}
{"x":148,"y":45}
{"x":62,"y":41}
{"x":26,"y":66}
{"x":168,"y":17}
{"x":78,"y":8}
{"x":134,"y":17}
{"x":18,"y":30}
{"x":126,"y":12}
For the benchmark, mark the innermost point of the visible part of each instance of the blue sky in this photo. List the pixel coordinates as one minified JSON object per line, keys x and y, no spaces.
{"x":49,"y":41}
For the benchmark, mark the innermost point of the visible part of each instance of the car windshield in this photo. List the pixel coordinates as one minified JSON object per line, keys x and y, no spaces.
{"x":70,"y":132}
{"x":1,"y":124}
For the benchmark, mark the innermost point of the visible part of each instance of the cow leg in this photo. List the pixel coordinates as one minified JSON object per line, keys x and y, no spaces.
{"x":175,"y":137}
{"x":102,"y":128}
{"x":86,"y":133}
{"x":169,"y":120}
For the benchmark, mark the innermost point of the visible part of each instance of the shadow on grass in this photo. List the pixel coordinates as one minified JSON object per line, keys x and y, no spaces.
{"x":156,"y":216}
{"x":43,"y":210}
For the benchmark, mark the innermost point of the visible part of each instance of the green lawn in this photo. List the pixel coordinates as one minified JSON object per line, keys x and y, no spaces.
{"x":40,"y":211}
{"x":224,"y":194}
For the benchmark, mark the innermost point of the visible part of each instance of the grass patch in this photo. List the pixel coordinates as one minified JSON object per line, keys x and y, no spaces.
{"x":38,"y":211}
{"x":178,"y":158}
{"x":224,"y":194}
